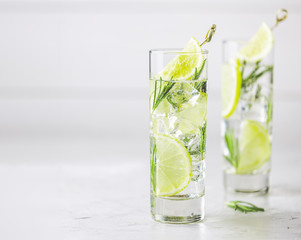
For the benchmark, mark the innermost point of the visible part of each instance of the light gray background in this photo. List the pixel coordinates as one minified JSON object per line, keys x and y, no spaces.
{"x":73,"y":76}
{"x":74,"y":91}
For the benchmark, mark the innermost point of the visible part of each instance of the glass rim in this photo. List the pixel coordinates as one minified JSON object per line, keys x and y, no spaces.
{"x":180,"y":80}
{"x":175,"y":51}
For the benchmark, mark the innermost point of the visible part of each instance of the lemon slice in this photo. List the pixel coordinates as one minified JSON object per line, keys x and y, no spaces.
{"x":259,"y":46}
{"x":254,"y":147}
{"x":231,"y":84}
{"x":172,"y":166}
{"x":183,"y":66}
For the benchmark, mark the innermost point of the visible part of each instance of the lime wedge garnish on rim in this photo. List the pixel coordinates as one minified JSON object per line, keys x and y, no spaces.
{"x":259,"y":46}
{"x":254,"y":147}
{"x":173,"y":166}
{"x":231,"y":84}
{"x":183,"y":66}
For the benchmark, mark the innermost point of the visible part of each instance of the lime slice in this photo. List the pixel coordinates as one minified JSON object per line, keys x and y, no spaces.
{"x":173,"y":166}
{"x":231,"y":84}
{"x":183,"y":66}
{"x":259,"y":46}
{"x":254,"y":147}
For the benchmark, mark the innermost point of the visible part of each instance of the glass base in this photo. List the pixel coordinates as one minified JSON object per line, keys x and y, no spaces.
{"x":252,"y":183}
{"x":178,"y":210}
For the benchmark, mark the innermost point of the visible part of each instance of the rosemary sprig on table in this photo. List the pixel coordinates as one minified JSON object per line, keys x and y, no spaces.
{"x":203,"y":140}
{"x":244,"y":206}
{"x":162,"y":92}
{"x":233,"y":148}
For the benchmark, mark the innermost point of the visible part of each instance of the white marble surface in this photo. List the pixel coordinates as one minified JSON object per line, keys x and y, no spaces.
{"x":111,"y":201}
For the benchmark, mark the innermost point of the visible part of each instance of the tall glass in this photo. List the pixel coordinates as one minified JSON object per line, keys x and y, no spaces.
{"x":178,"y":119}
{"x":247,"y":120}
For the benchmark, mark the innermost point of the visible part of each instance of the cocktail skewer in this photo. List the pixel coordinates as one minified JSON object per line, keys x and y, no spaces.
{"x":209,"y":34}
{"x":281,"y":15}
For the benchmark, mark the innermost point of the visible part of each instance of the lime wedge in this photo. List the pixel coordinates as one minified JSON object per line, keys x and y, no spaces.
{"x":173,"y":166}
{"x":231,"y":84}
{"x":254,"y":147}
{"x":259,"y":46}
{"x":183,"y":66}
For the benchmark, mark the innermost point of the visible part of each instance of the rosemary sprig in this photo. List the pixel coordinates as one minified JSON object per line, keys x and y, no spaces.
{"x":199,"y":85}
{"x":244,"y":63}
{"x":153,"y":165}
{"x":197,"y":73}
{"x":254,"y":75}
{"x":244,"y":206}
{"x":203,"y":140}
{"x":162,"y":93}
{"x":233,"y":148}
{"x":269,"y":110}
{"x":251,"y":75}
{"x":258,"y":92}
{"x":155,"y":92}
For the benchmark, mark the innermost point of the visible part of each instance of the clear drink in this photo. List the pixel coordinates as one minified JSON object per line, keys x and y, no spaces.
{"x":247,"y":131}
{"x":178,"y":120}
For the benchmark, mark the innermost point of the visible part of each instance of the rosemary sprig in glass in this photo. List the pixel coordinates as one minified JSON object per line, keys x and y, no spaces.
{"x":244,"y":206}
{"x":153,"y":165}
{"x":201,"y":84}
{"x":162,"y":92}
{"x":269,"y":110}
{"x":203,"y":140}
{"x":254,"y":75}
{"x":233,"y":148}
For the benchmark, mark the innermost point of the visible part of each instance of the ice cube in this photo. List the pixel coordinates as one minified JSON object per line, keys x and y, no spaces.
{"x":191,"y":142}
{"x":181,"y":93}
